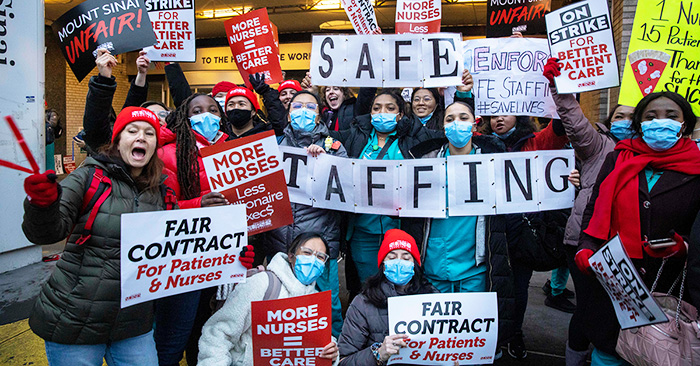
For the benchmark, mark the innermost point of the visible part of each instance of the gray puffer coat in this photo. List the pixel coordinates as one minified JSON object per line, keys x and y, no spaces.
{"x":308,"y":218}
{"x":80,"y":303}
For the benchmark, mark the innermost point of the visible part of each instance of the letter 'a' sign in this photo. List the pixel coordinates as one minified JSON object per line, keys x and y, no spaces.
{"x":429,"y":60}
{"x":249,"y":171}
{"x":291,"y":331}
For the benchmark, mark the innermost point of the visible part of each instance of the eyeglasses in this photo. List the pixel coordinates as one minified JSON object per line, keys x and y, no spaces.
{"x":163,"y":114}
{"x":299,"y":105}
{"x":323,"y":257}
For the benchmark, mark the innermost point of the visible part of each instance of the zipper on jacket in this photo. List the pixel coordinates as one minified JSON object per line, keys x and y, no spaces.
{"x":136,"y":202}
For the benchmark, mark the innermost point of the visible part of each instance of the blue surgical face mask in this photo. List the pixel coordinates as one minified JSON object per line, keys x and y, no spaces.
{"x":384,"y":122}
{"x":425,"y":119}
{"x":308,"y":268}
{"x":222,"y":102}
{"x":398,"y":271}
{"x":661,"y":134}
{"x":505,"y":135}
{"x":206,"y":124}
{"x":459,"y":133}
{"x":622,"y":129}
{"x":303,"y":119}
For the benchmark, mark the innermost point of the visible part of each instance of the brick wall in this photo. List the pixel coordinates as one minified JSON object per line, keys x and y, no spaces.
{"x":75,"y":102}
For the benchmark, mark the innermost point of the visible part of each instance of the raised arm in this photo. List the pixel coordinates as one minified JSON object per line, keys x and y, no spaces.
{"x":179,"y":87}
{"x":98,"y":102}
{"x":138,"y":91}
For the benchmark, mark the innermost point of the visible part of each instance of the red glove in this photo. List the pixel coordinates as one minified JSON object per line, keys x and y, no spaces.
{"x":42,"y":189}
{"x":247,"y":256}
{"x":551,"y":69}
{"x":582,"y":261}
{"x":679,"y":249}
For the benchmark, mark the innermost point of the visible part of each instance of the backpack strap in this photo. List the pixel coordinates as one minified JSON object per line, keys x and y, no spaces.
{"x":273,"y":288}
{"x":385,"y":148}
{"x":169,"y":197}
{"x":98,"y":191}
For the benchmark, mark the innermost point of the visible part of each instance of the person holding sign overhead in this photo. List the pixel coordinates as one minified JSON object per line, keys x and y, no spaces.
{"x":466,"y":253}
{"x":365,"y":338}
{"x":648,"y":189}
{"x":227,"y":336}
{"x":78,"y":312}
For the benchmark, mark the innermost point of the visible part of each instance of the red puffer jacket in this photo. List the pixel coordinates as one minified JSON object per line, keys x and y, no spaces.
{"x":167,"y":154}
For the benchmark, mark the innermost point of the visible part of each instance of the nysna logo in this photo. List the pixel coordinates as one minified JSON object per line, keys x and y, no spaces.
{"x":144,"y":114}
{"x":400,"y":244}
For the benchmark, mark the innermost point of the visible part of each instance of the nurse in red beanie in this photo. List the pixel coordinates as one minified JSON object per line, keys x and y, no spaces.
{"x":287,"y":89}
{"x":365,"y":338}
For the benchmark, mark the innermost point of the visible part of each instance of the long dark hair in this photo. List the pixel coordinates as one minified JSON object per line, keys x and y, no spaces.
{"x":303,"y":238}
{"x":397,"y":98}
{"x":688,"y":116}
{"x":435,"y":122}
{"x":57,"y":130}
{"x":372,"y":288}
{"x":150,"y":175}
{"x":524,"y":126}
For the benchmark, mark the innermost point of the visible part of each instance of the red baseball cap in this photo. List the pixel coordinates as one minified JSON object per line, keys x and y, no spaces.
{"x":240,"y":91}
{"x":397,"y":239}
{"x":134,"y":114}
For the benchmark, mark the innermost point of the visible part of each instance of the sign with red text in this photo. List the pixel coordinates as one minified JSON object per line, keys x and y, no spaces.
{"x":291,"y":331}
{"x":443,"y":328}
{"x":118,"y":25}
{"x":361,"y":15}
{"x":418,"y":16}
{"x":252,"y":43}
{"x":165,"y":253}
{"x":173,"y":24}
{"x":248,"y":171}
{"x":504,"y":17}
{"x":581,"y":37}
{"x":633,"y":303}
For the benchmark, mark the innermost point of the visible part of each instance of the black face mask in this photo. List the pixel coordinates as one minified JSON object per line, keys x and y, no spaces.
{"x":238,"y":117}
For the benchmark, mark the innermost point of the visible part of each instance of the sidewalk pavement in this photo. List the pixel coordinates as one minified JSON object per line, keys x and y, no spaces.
{"x":545,"y":329}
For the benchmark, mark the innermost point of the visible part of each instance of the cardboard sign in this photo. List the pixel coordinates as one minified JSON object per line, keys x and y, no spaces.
{"x":166,"y":253}
{"x":174,"y":26}
{"x":418,"y":16}
{"x":633,"y":303}
{"x":581,"y":37}
{"x":663,"y":52}
{"x":361,"y":15}
{"x":248,"y":171}
{"x":117,"y":25}
{"x":444,"y":328}
{"x":508,"y":77}
{"x":291,"y":331}
{"x":252,"y":43}
{"x":430,"y":60}
{"x":508,"y":16}
{"x":479,"y":184}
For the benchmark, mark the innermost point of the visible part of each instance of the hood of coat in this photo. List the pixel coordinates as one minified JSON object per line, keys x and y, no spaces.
{"x":300,"y":138}
{"x":281,"y":267}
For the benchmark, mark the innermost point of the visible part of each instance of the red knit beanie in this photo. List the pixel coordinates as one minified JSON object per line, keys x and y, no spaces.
{"x":133,"y":114}
{"x":293,"y":84}
{"x":240,"y":91}
{"x":397,"y":239}
{"x":222,"y":86}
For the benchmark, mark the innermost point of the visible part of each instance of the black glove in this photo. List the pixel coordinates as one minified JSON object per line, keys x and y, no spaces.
{"x":258,"y":82}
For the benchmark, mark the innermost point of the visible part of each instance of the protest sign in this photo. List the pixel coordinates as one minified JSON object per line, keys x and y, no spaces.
{"x":443,"y":328}
{"x":581,"y":37}
{"x":479,"y":184}
{"x":663,"y":52}
{"x":291,"y":331}
{"x":633,"y":303}
{"x":508,"y":76}
{"x":429,"y":60}
{"x":508,"y":16}
{"x":253,"y":46}
{"x":174,"y":26}
{"x":248,"y":171}
{"x":418,"y":16}
{"x":361,"y":15}
{"x":166,"y":253}
{"x":117,"y":25}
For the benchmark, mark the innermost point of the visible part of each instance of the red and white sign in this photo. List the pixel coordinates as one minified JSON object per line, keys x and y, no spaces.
{"x":248,"y":171}
{"x":252,"y":43}
{"x":174,"y":26}
{"x":361,"y":15}
{"x":165,"y":253}
{"x":418,"y":16}
{"x":291,"y":331}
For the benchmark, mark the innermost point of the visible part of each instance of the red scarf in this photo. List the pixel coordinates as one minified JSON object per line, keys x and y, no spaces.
{"x":617,"y":207}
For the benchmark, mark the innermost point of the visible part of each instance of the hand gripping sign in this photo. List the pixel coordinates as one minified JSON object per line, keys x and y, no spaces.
{"x":291,"y":331}
{"x":166,"y":253}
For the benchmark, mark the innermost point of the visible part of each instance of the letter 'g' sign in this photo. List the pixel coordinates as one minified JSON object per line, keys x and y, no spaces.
{"x":429,"y":60}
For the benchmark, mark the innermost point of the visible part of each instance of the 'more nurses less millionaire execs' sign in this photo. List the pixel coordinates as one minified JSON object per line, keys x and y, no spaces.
{"x":117,"y":25}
